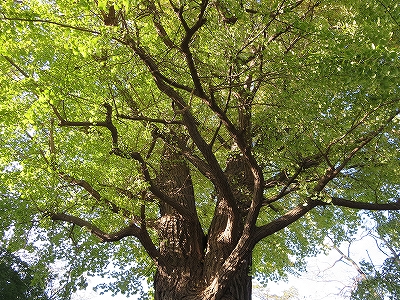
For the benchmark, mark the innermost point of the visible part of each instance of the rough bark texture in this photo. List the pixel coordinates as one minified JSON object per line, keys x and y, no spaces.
{"x":189,"y":260}
{"x":181,"y":242}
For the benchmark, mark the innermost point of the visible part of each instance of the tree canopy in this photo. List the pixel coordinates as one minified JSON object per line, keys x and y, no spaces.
{"x":200,"y":141}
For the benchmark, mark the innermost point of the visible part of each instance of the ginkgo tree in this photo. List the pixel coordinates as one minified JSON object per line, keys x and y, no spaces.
{"x":197,"y":143}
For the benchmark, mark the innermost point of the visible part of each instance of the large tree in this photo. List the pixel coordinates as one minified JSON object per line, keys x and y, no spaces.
{"x":207,"y":141}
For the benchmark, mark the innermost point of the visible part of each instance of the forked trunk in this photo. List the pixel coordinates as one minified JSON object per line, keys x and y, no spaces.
{"x":189,"y":261}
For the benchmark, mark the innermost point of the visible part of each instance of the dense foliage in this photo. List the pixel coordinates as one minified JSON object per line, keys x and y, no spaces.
{"x":16,"y":279}
{"x":216,"y":131}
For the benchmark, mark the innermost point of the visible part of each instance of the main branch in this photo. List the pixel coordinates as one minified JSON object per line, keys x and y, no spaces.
{"x":219,"y":178}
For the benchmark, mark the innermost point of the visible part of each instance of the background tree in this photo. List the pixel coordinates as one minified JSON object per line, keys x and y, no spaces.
{"x":380,"y":281}
{"x":264,"y":294}
{"x":17,"y":280}
{"x":203,"y":141}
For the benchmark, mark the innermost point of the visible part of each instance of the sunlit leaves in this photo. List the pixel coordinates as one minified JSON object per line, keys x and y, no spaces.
{"x":319,"y":78}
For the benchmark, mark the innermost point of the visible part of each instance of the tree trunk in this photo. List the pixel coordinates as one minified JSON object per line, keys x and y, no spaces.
{"x":185,"y":281}
{"x":240,"y":287}
{"x":189,"y":261}
{"x":181,"y":239}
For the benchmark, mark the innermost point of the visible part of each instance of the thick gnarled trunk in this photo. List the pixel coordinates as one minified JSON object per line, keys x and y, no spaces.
{"x":181,"y":239}
{"x":186,"y":281}
{"x":189,"y":261}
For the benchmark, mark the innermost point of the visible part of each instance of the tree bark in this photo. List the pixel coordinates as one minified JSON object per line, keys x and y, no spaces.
{"x":189,"y":260}
{"x":185,"y":281}
{"x":181,"y":239}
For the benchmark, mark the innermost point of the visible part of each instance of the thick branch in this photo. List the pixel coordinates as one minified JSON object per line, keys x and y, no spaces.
{"x":174,"y":140}
{"x":157,"y":192}
{"x":247,"y":242}
{"x":257,"y":173}
{"x":300,"y":210}
{"x":364,"y":205}
{"x":145,"y":237}
{"x":220,"y":179}
{"x":283,"y":221}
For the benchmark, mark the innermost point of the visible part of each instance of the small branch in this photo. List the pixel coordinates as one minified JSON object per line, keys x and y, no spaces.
{"x":275,"y":180}
{"x":185,"y":46}
{"x":332,"y":172}
{"x":283,"y":193}
{"x":364,"y":141}
{"x":212,"y":103}
{"x":107,"y":123}
{"x":395,"y":255}
{"x":95,"y":194}
{"x":358,"y":124}
{"x":131,"y":230}
{"x":162,"y":33}
{"x":216,"y":134}
{"x":147,"y":119}
{"x":388,"y":11}
{"x":16,"y":66}
{"x":305,"y":163}
{"x":126,"y":154}
{"x":273,"y":16}
{"x":350,"y":260}
{"x":53,"y":23}
{"x":285,"y":190}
